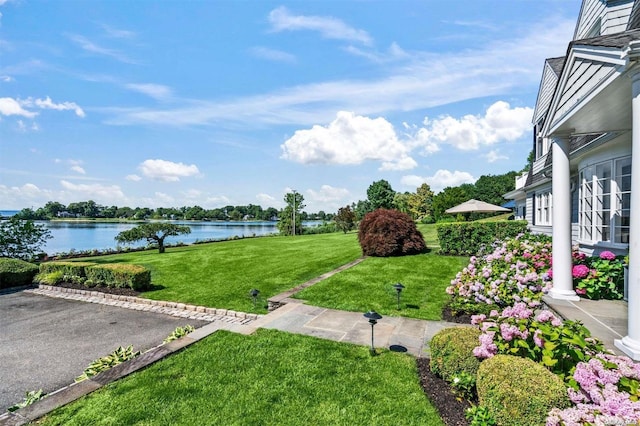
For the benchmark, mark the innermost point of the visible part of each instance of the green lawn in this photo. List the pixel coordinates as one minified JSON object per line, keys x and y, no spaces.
{"x":430,"y":234}
{"x":368,"y":285}
{"x":221,"y":274}
{"x":269,"y":378}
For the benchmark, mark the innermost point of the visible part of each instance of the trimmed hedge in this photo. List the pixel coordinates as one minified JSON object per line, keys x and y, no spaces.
{"x":16,"y":272}
{"x":118,"y":275}
{"x":69,"y":269}
{"x":452,"y":352}
{"x":468,"y":238}
{"x":91,"y":274}
{"x":518,"y":391}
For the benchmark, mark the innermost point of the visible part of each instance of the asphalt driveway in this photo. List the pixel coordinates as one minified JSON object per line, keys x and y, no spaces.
{"x":46,"y":342}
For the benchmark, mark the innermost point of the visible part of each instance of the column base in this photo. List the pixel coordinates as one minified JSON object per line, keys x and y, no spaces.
{"x":563,"y":294}
{"x":629,"y":346}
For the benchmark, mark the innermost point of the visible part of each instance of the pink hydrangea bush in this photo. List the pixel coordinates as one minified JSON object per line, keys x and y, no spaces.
{"x":605,"y":391}
{"x":542,"y":336}
{"x":598,"y":277}
{"x":516,"y":271}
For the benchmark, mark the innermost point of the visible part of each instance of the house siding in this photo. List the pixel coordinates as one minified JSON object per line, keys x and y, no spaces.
{"x":580,"y":82}
{"x":611,"y":16}
{"x":547,"y":87}
{"x":616,"y":18}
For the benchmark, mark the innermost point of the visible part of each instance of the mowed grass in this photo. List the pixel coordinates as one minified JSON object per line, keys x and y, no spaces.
{"x":369,"y":285}
{"x":269,"y":378}
{"x":221,"y":274}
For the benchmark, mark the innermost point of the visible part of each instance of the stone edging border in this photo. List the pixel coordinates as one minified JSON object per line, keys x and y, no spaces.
{"x":182,"y":310}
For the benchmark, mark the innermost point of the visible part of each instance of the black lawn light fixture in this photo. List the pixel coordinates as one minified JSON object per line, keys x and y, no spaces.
{"x":399,"y":287}
{"x":373,"y":318}
{"x":254,"y":294}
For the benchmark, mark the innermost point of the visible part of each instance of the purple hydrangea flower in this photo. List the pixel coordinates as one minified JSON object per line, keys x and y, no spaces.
{"x":607,"y":255}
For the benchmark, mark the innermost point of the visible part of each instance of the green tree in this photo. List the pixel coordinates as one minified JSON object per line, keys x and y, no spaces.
{"x":449,"y":197}
{"x":52,"y":208}
{"x":361,"y":208}
{"x":401,"y":202}
{"x":290,"y":219}
{"x":420,"y":202}
{"x":155,"y":232}
{"x":22,"y":239}
{"x":491,"y":188}
{"x":345,"y":219}
{"x":381,"y":195}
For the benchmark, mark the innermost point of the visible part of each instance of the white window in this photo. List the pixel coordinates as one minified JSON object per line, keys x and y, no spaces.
{"x":605,"y":197}
{"x":544,"y":208}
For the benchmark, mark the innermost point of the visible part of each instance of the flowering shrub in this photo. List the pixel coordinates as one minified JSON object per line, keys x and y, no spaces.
{"x":543,"y":338}
{"x":598,"y":277}
{"x":605,"y":390}
{"x":516,"y":271}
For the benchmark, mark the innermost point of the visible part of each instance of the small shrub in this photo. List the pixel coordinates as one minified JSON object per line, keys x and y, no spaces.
{"x":389,"y":233}
{"x":599,"y":277}
{"x":479,"y":416}
{"x":178,"y":333}
{"x":452,"y":352}
{"x":555,"y":344}
{"x":116,"y":357}
{"x":70,"y":270}
{"x":49,"y":278}
{"x":469,"y":238}
{"x":16,"y":272}
{"x":517,"y":391}
{"x":118,"y":275}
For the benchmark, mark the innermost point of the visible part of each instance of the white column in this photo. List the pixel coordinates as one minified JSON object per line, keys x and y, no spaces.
{"x":562,"y":264}
{"x":630,"y":344}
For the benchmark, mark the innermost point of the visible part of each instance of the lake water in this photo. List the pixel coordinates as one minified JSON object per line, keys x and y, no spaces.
{"x":101,"y":235}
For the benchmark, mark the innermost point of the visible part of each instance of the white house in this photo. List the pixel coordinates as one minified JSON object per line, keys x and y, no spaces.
{"x":586,"y":125}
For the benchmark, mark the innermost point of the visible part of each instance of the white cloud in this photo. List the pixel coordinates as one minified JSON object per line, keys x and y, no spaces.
{"x":78,"y":169}
{"x":95,"y":191}
{"x":167,"y":171}
{"x":349,"y":139}
{"x":440,"y":180}
{"x":193,"y":194}
{"x":265,"y":200}
{"x":10,"y":106}
{"x":494,"y":155}
{"x":47,"y":103}
{"x":156,"y":91}
{"x":117,"y":33}
{"x":327,"y":194}
{"x":23,"y":127}
{"x":273,"y":54}
{"x":133,"y":178}
{"x":515,"y":64}
{"x":92,"y":47}
{"x":6,"y":78}
{"x":282,"y":20}
{"x":500,"y":123}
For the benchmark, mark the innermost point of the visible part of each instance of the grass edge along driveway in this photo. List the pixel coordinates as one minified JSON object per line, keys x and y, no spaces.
{"x":268,"y":378}
{"x":221,"y":274}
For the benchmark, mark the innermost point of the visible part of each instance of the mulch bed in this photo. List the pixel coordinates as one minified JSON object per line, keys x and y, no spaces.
{"x":447,"y":315}
{"x":450,"y":407}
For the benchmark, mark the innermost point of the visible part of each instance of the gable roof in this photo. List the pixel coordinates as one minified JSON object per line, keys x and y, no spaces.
{"x":619,"y":40}
{"x":557,"y":64}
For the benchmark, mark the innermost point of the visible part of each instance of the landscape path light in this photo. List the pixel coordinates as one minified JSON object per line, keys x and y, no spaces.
{"x":254,"y":294}
{"x":398,"y":288}
{"x":373,"y":318}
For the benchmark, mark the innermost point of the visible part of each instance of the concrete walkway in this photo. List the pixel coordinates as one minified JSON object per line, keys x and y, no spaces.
{"x":398,"y":333}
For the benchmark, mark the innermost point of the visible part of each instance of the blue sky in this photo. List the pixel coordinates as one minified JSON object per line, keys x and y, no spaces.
{"x":214,"y":103}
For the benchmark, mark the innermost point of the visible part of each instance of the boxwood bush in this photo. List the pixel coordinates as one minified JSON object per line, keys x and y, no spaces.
{"x":71,"y":271}
{"x":469,"y":238}
{"x":452,"y":352}
{"x":118,"y":275}
{"x":15,"y":272}
{"x":518,"y":391}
